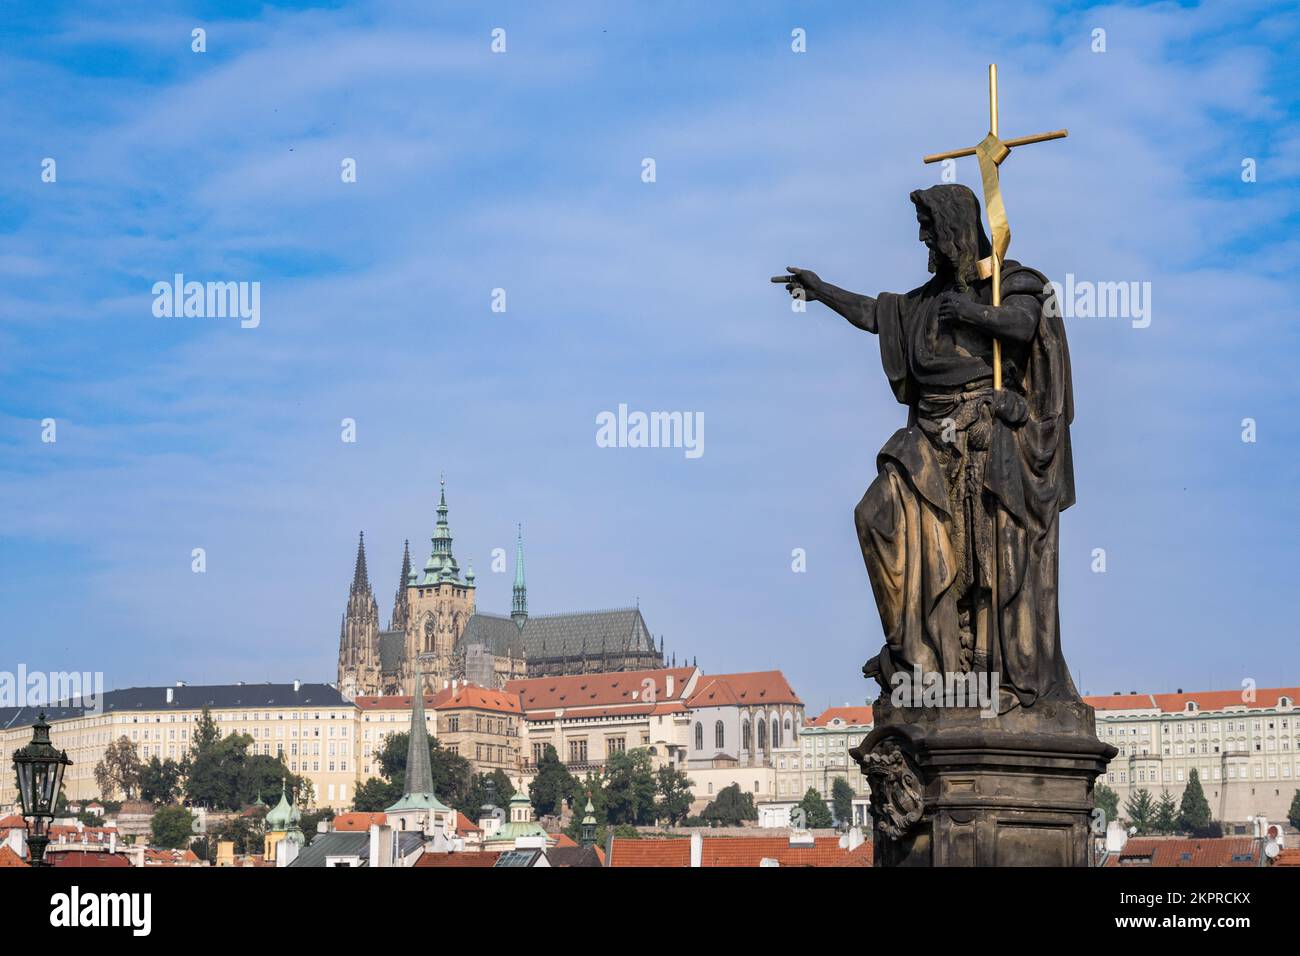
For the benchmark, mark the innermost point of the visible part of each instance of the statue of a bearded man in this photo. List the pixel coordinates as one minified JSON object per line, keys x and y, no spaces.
{"x":959,"y":528}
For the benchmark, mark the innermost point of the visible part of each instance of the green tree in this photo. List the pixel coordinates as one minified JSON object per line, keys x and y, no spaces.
{"x":1141,"y":811}
{"x":730,"y":808}
{"x":842,"y":801}
{"x":551,"y":784}
{"x":245,"y":832}
{"x":1166,"y":814}
{"x":1194,"y":812}
{"x":223,"y":775}
{"x":1106,"y":798}
{"x":479,"y":793}
{"x":160,"y":780}
{"x":375,"y":795}
{"x":452,"y":773}
{"x":675,"y":796}
{"x":1293,"y":814}
{"x":816,"y":815}
{"x":311,"y":820}
{"x":629,"y":786}
{"x":119,"y":769}
{"x":171,"y":827}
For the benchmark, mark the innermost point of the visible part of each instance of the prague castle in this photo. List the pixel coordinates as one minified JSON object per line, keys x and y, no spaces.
{"x":436,"y":623}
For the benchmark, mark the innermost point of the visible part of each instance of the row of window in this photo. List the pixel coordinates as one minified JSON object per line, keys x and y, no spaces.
{"x":1176,"y":774}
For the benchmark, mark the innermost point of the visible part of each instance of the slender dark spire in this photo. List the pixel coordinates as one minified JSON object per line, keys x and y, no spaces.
{"x":360,"y":577}
{"x":419,"y":772}
{"x":401,"y":609}
{"x":519,"y":597}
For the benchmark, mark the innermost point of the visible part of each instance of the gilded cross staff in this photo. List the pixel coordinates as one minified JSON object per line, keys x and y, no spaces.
{"x":991,"y":152}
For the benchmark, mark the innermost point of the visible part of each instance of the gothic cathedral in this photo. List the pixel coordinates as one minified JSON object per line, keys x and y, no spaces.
{"x":435,"y":625}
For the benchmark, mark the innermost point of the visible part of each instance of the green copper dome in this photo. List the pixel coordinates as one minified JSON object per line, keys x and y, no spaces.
{"x":279,"y":819}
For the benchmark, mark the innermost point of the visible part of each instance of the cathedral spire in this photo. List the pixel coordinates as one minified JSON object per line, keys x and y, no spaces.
{"x":441,"y":565}
{"x":401,"y":607}
{"x":519,"y":597}
{"x":360,"y":577}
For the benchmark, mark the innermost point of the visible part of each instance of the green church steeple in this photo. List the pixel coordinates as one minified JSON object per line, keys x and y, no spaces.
{"x":519,"y":597}
{"x":441,"y":566}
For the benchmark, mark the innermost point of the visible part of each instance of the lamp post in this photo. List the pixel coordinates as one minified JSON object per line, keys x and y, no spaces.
{"x":40,"y":768}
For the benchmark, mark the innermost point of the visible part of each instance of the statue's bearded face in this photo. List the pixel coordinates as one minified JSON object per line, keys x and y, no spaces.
{"x":927,"y":235}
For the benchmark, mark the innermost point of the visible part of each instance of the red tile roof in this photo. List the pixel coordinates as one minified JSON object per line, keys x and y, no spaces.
{"x":357,"y":822}
{"x":9,"y":858}
{"x":449,"y":698}
{"x":621,"y":690}
{"x":65,"y":857}
{"x":853,"y":716}
{"x":155,"y":857}
{"x":1153,"y":851}
{"x":13,"y":822}
{"x":757,"y":687}
{"x":1120,"y":702}
{"x":470,"y":858}
{"x":1288,"y":857}
{"x":1220,"y":699}
{"x":738,"y":851}
{"x":1204,"y":699}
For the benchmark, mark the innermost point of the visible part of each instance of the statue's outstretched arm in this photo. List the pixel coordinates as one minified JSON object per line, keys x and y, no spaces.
{"x":805,"y":284}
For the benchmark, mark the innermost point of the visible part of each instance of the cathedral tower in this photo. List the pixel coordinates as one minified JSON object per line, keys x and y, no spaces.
{"x":359,"y":634}
{"x":439,"y":605}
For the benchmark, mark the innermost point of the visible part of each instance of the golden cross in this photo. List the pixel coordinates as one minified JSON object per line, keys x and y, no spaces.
{"x":991,"y":152}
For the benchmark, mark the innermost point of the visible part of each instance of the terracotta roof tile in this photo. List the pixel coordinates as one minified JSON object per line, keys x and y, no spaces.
{"x":853,"y":716}
{"x":618,"y":689}
{"x":756,"y":687}
{"x":357,"y":821}
{"x":61,"y":856}
{"x":1223,"y":851}
{"x":742,"y":851}
{"x":449,"y":698}
{"x":1210,"y":700}
{"x":9,"y":858}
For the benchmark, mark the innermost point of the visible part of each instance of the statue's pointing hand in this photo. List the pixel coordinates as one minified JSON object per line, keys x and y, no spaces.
{"x":801,"y":283}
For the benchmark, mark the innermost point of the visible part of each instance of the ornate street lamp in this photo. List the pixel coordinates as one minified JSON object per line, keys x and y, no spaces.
{"x":40,"y":768}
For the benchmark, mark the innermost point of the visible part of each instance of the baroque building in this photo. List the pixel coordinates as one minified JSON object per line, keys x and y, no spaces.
{"x":436,"y":626}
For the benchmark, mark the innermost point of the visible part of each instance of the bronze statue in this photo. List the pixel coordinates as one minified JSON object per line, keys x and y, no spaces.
{"x":960,"y":534}
{"x":962,"y":518}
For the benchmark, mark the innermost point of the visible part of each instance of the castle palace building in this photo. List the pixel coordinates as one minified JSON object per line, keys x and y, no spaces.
{"x":436,"y":625}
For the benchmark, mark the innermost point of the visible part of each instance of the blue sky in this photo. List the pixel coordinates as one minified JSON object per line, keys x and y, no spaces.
{"x":522,"y":171}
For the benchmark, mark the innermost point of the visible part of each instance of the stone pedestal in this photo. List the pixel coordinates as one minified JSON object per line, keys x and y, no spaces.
{"x":950,"y":787}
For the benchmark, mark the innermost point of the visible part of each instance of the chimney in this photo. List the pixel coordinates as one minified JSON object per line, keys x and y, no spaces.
{"x":180,"y":683}
{"x":668,"y":686}
{"x":112,"y":842}
{"x":286,"y":851}
{"x":1116,"y":836}
{"x":171,"y":695}
{"x":697,"y":848}
{"x":853,"y":839}
{"x":297,"y":686}
{"x":382,"y":845}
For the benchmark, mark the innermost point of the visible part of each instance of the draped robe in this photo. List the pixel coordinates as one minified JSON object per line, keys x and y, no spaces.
{"x":922,"y":563}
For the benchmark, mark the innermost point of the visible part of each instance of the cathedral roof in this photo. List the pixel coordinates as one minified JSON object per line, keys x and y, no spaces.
{"x":498,"y":634}
{"x":561,"y":635}
{"x":392,"y":651}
